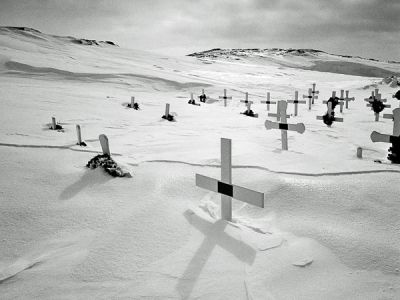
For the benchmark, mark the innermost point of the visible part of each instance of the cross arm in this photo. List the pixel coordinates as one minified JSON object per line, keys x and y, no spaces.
{"x":234,"y":191}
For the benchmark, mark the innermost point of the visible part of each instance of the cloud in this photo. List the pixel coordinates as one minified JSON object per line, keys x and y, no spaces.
{"x":344,"y":26}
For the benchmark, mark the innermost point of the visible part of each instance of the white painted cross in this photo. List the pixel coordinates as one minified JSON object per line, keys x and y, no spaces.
{"x":296,"y":102}
{"x":341,"y":100}
{"x":386,"y":138}
{"x":347,"y":99}
{"x":314,"y":93}
{"x":279,"y":110}
{"x":225,"y":186}
{"x":268,"y":101}
{"x":104,"y":144}
{"x":310,"y":98}
{"x":329,"y":113}
{"x":283,"y":125}
{"x":375,"y":99}
{"x":225,"y":97}
{"x":247,"y":102}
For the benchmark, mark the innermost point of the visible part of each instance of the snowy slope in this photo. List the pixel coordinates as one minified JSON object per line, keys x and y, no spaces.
{"x":71,"y":233}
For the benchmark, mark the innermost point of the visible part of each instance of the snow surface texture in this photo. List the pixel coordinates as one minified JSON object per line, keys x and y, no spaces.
{"x":330,"y":228}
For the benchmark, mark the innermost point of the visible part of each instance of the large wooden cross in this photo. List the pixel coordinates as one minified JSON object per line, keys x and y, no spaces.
{"x":268,"y":101}
{"x":386,"y":138}
{"x":279,"y":110}
{"x":296,"y":102}
{"x":310,"y":98}
{"x":347,"y":99}
{"x":203,"y":96}
{"x":225,"y":97}
{"x":225,"y":186}
{"x":283,"y":125}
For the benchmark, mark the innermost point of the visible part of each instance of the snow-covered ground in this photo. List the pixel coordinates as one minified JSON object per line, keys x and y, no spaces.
{"x":329,"y":229}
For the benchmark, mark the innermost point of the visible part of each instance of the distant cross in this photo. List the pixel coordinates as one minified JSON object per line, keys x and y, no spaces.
{"x":296,"y":102}
{"x":376,"y":103}
{"x":386,"y":138}
{"x":225,"y":97}
{"x":268,"y":101}
{"x":314,"y":93}
{"x":283,"y":125}
{"x":330,"y":114}
{"x":203,"y":96}
{"x":225,"y":186}
{"x":347,"y":99}
{"x":341,"y":100}
{"x":167,"y":116}
{"x":279,"y":110}
{"x":248,"y":103}
{"x":310,"y":98}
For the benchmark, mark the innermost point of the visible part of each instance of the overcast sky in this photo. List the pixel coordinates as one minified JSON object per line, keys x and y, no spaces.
{"x":367,"y":28}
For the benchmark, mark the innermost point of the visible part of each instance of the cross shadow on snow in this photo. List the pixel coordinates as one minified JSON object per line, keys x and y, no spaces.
{"x":214,"y":236}
{"x":88,"y":179}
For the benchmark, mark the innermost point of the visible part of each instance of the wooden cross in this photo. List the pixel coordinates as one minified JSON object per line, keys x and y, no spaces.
{"x":314,"y":93}
{"x":203,"y":96}
{"x":376,"y":97}
{"x":279,"y":110}
{"x":104,"y":144}
{"x":225,"y":97}
{"x":296,"y":102}
{"x":341,"y":100}
{"x":191,"y":101}
{"x":329,"y":113}
{"x":310,"y":97}
{"x":268,"y":102}
{"x":283,"y":125}
{"x":53,"y":123}
{"x":167,"y":116}
{"x":225,"y":186}
{"x":247,"y":102}
{"x":347,"y":99}
{"x":386,"y":138}
{"x":132,"y":101}
{"x":78,"y":134}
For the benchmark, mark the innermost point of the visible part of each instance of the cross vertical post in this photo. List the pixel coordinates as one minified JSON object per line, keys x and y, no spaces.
{"x":296,"y":102}
{"x":225,"y":97}
{"x":53,"y":123}
{"x":341,"y":100}
{"x":132,"y":101}
{"x":347,"y":99}
{"x":314,"y":93}
{"x":268,"y":102}
{"x":78,"y":133}
{"x":226,"y":177}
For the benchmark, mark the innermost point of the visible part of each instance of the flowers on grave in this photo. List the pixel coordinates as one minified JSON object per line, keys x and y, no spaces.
{"x":329,"y":118}
{"x":108,"y":164}
{"x":377,"y":105}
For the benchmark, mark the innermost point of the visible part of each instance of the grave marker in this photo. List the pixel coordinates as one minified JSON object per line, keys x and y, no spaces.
{"x":191,"y":101}
{"x":225,"y":186}
{"x":268,"y":101}
{"x":203,"y":96}
{"x":347,"y":99}
{"x":225,"y":97}
{"x":283,"y":126}
{"x":341,"y":100}
{"x":53,"y":123}
{"x":329,"y":117}
{"x":376,"y":103}
{"x":78,"y":134}
{"x":167,"y":116}
{"x":279,"y":109}
{"x":314,"y":93}
{"x":248,"y":103}
{"x":104,"y":144}
{"x":394,"y":139}
{"x":296,"y":102}
{"x":310,"y":98}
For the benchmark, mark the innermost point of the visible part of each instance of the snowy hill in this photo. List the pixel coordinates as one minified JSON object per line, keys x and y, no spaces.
{"x":308,"y":59}
{"x":330,"y":226}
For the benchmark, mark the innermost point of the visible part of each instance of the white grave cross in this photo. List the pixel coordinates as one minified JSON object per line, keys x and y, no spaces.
{"x":314,"y":93}
{"x":310,"y":98}
{"x":225,"y":186}
{"x":347,"y":99}
{"x":225,"y":97}
{"x":341,"y":100}
{"x":283,"y":126}
{"x":268,"y":101}
{"x":296,"y":102}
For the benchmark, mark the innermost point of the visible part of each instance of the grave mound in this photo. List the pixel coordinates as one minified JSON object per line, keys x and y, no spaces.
{"x":108,"y":164}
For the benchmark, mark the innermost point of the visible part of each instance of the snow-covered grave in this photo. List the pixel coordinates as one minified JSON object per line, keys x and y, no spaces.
{"x":296,"y":102}
{"x":225,"y":98}
{"x":268,"y":101}
{"x":225,"y":186}
{"x":376,"y":103}
{"x":341,"y":100}
{"x":192,"y":101}
{"x":283,"y":125}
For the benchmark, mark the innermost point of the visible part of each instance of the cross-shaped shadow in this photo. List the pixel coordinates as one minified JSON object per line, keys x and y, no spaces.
{"x":214,"y":236}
